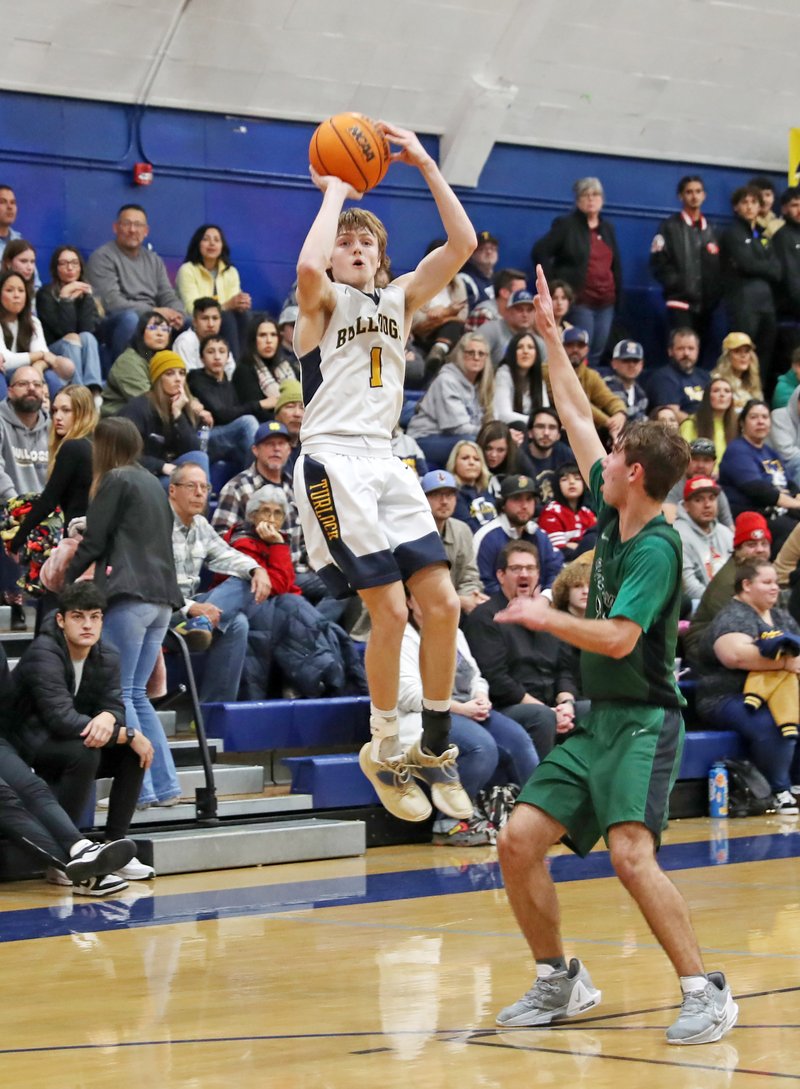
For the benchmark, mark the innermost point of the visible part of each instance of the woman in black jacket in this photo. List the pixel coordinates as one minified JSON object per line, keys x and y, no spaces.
{"x":581,"y":248}
{"x":69,"y":315}
{"x":129,"y":539}
{"x":165,"y":420}
{"x":261,"y":368}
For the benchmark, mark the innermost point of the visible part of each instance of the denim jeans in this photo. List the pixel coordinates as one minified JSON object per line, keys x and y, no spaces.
{"x":136,"y":628}
{"x":517,"y":759}
{"x":477,"y":753}
{"x":225,"y":657}
{"x":116,"y":331}
{"x":85,"y":356}
{"x":596,"y":320}
{"x":776,"y":757}
{"x":233,"y":441}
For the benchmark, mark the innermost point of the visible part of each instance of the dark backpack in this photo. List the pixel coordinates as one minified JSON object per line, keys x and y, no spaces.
{"x":749,"y":793}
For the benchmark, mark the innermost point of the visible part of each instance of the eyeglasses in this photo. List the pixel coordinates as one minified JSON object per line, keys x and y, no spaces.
{"x":473,"y":353}
{"x":201,"y":489}
{"x":71,"y":263}
{"x":27,"y":385}
{"x":523,"y":569}
{"x":132,"y":224}
{"x":155,"y":326}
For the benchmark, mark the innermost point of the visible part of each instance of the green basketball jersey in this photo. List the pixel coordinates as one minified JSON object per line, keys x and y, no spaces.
{"x":639,"y":579}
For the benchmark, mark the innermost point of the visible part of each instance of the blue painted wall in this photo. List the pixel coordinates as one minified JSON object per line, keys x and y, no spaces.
{"x":71,"y":163}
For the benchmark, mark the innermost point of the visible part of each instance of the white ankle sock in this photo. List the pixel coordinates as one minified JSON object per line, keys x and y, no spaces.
{"x":693,"y":983}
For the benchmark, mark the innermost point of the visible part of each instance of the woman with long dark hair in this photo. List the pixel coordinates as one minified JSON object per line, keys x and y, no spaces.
{"x":69,"y":315}
{"x":22,"y":341}
{"x":129,"y":376}
{"x":261,"y":367}
{"x":716,"y":418}
{"x":499,"y":452}
{"x":519,"y":388}
{"x":207,"y":272}
{"x":129,"y":539}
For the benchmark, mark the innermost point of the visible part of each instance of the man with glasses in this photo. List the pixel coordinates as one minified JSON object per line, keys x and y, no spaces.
{"x":529,"y":673}
{"x":222,"y":613}
{"x":130,"y":279}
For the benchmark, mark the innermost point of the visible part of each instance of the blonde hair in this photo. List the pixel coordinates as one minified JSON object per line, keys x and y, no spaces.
{"x":359,"y":219}
{"x":161,"y":402}
{"x":482,"y":482}
{"x":485,"y":383}
{"x":577,"y":573}
{"x":745,"y":386}
{"x":84,"y":420}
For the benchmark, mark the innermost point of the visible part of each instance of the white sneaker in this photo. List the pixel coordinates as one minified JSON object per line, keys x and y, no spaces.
{"x":135,"y":871}
{"x":786,"y":804}
{"x":98,"y":859}
{"x":54,"y":876}
{"x":393,"y":784}
{"x":100,"y":886}
{"x":706,"y":1015}
{"x":441,"y":775}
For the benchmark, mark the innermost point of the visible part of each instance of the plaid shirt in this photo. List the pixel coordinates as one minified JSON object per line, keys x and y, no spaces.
{"x":232,"y":504}
{"x":196,"y":544}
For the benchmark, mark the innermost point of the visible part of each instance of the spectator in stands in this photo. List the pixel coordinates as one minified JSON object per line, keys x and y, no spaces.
{"x":261,"y":538}
{"x":485,"y":738}
{"x":129,"y":509}
{"x":563,"y":297}
{"x":129,"y":376}
{"x":751,"y":541}
{"x":680,"y":383}
{"x":518,"y":318}
{"x":571,"y":595}
{"x":206,"y":322}
{"x":529,"y":673}
{"x":784,"y":435}
{"x":473,"y":505}
{"x":287,"y":319}
{"x":439,"y":324}
{"x":500,"y":452}
{"x":515,"y":522}
{"x":66,"y":717}
{"x":505,"y":282}
{"x":684,"y":258}
{"x":702,"y":462}
{"x":477,"y":274}
{"x":716,"y":419}
{"x":730,"y":656}
{"x":73,"y":419}
{"x":131,"y":280}
{"x":786,"y":245}
{"x":23,"y":465}
{"x":207,"y":272}
{"x":567,"y":519}
{"x":408,"y":450}
{"x":19,"y":256}
{"x":227,"y":607}
{"x":750,"y":270}
{"x":754,"y":476}
{"x":22,"y":342}
{"x":442,"y":490}
{"x":665,"y":414}
{"x":233,"y":424}
{"x":8,"y":216}
{"x":69,"y":315}
{"x":260,"y":368}
{"x":787,"y":382}
{"x":707,"y":544}
{"x":457,"y":402}
{"x":767,"y":220}
{"x":787,"y":567}
{"x":544,"y":451}
{"x":165,"y":420}
{"x":581,"y":248}
{"x":627,"y":363}
{"x":608,"y":410}
{"x":739,"y":365}
{"x":519,"y":386}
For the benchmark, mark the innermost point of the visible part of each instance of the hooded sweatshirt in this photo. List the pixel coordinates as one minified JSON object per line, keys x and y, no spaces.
{"x":23,"y":453}
{"x":703,"y":553}
{"x":785,"y":434}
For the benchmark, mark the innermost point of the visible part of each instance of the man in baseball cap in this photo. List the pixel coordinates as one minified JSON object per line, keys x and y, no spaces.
{"x":706,"y":544}
{"x":608,"y":409}
{"x":442,"y":491}
{"x":702,"y":460}
{"x":627,"y":363}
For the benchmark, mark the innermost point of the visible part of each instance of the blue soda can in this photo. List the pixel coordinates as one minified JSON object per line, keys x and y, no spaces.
{"x":718,"y":846}
{"x":718,"y":791}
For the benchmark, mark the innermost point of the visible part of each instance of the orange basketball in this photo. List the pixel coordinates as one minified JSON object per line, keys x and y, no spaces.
{"x":350,"y":147}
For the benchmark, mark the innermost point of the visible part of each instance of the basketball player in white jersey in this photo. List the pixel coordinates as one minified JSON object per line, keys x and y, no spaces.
{"x":365,"y":518}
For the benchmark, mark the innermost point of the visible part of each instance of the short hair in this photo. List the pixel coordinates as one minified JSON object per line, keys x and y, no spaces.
{"x":182,"y":470}
{"x":82,"y":596}
{"x":210,"y":340}
{"x":761,"y":181}
{"x":682,"y":331}
{"x":747,"y":571}
{"x":687,"y":179}
{"x":131,"y":208}
{"x":548,"y":410}
{"x":747,"y":408}
{"x":10,"y":189}
{"x":193,"y":255}
{"x":568,"y":289}
{"x":745,"y":191}
{"x":792,"y":193}
{"x":517,"y":546}
{"x":57,"y":254}
{"x":661,"y":451}
{"x":505,"y":276}
{"x":359,"y":219}
{"x":205,"y":302}
{"x":587,"y":185}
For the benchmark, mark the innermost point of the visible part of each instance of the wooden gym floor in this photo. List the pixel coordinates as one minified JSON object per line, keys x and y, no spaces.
{"x":388,"y":971}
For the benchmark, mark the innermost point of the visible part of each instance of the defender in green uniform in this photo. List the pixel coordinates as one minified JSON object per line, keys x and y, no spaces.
{"x":613,"y":775}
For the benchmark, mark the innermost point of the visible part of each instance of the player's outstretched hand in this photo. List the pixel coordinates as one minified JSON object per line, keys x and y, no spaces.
{"x":544,"y":317}
{"x":411,"y":150}
{"x":530,"y":612}
{"x":326,"y":181}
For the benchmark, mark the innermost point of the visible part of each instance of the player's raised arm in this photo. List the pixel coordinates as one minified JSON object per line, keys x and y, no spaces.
{"x":571,"y":402}
{"x":439,"y":267}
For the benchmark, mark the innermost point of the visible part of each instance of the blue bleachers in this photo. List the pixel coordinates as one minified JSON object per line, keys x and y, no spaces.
{"x":704,"y":747}
{"x":335,"y":781}
{"x":251,"y":726}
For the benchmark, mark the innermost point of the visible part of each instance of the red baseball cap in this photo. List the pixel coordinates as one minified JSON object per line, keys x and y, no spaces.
{"x":697,"y":484}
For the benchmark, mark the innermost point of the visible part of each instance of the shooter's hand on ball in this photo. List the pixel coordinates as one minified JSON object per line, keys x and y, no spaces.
{"x":324,"y":182}
{"x":411,"y":150}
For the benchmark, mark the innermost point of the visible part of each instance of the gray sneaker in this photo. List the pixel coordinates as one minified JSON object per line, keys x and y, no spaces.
{"x":705,"y":1015}
{"x":562,"y":994}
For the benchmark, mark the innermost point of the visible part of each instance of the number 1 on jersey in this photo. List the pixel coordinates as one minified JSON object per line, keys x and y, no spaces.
{"x":375,"y":367}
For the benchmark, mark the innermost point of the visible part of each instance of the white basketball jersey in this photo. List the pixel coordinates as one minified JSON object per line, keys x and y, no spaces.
{"x":353,"y":382}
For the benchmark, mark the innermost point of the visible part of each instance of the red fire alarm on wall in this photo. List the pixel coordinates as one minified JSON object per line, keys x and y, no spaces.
{"x":143,"y":173}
